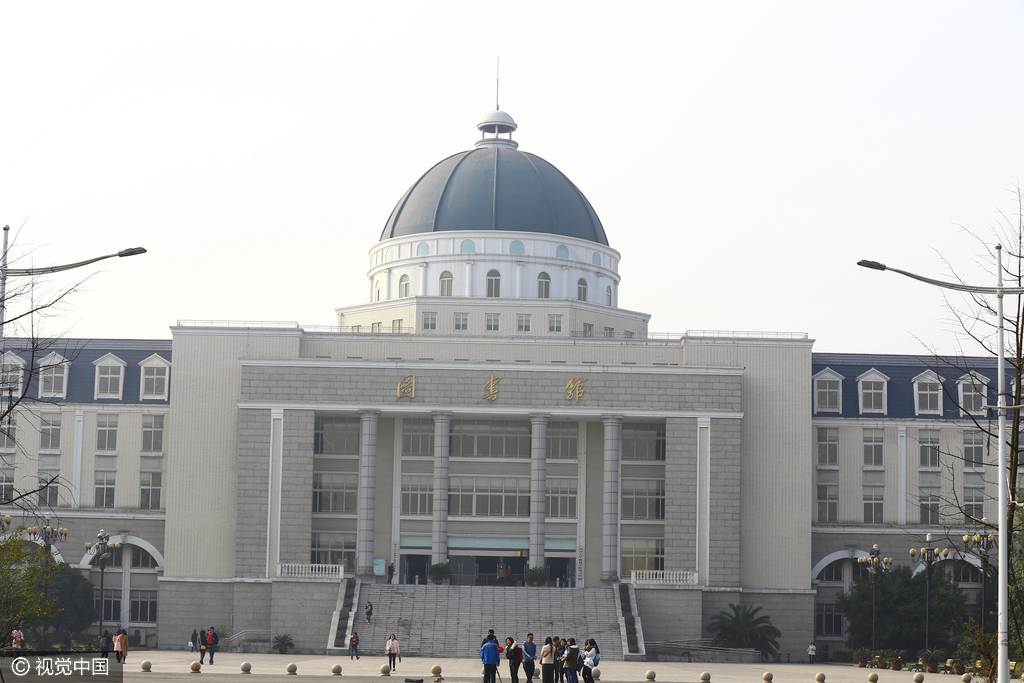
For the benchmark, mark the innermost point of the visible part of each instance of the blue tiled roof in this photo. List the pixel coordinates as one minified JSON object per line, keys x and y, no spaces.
{"x":901,"y":371}
{"x":82,"y":352}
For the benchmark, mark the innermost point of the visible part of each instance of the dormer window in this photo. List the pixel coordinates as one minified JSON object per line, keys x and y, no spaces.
{"x":872,"y":387}
{"x":973,"y":394}
{"x":53,"y":376}
{"x":109,"y":377}
{"x":928,"y":394}
{"x":828,"y":392}
{"x":156,"y":371}
{"x":12,"y":371}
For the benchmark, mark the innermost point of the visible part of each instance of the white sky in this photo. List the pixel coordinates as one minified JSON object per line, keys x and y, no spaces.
{"x":742,"y":156}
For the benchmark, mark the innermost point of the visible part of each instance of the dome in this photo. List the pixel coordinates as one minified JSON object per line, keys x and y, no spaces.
{"x":495,"y":187}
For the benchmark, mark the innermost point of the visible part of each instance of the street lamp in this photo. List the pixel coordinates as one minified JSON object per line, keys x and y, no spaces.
{"x":982,"y":544}
{"x":1002,"y":627}
{"x":47,"y":535}
{"x":5,"y":522}
{"x":928,"y":556}
{"x":104,"y":549}
{"x":875,"y":565}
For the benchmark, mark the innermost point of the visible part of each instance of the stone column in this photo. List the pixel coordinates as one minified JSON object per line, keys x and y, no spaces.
{"x":610,"y":498}
{"x":387,"y":284}
{"x":468,"y":285}
{"x":367,"y":491}
{"x":439,"y":526}
{"x":538,"y":493}
{"x":519,"y":280}
{"x":423,"y":279}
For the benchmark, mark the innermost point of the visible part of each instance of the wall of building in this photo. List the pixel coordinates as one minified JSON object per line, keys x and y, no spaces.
{"x":669,"y":615}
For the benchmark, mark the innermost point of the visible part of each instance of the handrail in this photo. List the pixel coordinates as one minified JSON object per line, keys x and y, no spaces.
{"x":295,"y":570}
{"x":754,"y":334}
{"x":245,"y":632}
{"x":679,"y":577}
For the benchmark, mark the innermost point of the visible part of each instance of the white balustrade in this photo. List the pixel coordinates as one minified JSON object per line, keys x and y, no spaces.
{"x":292,"y":570}
{"x":681,"y":577}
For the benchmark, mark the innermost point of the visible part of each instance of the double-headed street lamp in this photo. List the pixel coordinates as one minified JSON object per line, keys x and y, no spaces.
{"x":982,"y":544}
{"x":104,"y":550}
{"x":47,"y":535}
{"x":875,"y":565}
{"x":1002,"y":628}
{"x":928,"y":556}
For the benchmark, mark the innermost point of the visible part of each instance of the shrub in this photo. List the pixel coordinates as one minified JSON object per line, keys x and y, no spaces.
{"x":439,"y":572}
{"x":536,"y":576}
{"x":282,"y":643}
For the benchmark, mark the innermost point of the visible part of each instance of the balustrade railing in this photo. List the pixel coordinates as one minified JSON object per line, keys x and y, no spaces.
{"x":660,"y":577}
{"x":291,"y":570}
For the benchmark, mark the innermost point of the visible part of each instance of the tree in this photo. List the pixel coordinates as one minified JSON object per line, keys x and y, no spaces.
{"x":73,"y":610}
{"x":744,"y":626}
{"x":24,"y":570}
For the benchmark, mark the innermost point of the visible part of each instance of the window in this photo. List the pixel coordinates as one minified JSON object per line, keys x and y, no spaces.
{"x":53,"y":373}
{"x":152,"y":433}
{"x":828,"y":392}
{"x":444,"y":284}
{"x":467,"y":247}
{"x":928,"y":444}
{"x":105,"y":489}
{"x":562,"y":251}
{"x":873,"y":445}
{"x":142,"y":560}
{"x":643,"y":499}
{"x":929,"y":502}
{"x":490,"y":439}
{"x":489,"y":497}
{"x":609,"y":331}
{"x":375,"y":327}
{"x":588,"y":329}
{"x":109,"y":377}
{"x":493,"y":284}
{"x":423,"y":249}
{"x":6,"y":485}
{"x":642,"y":554}
{"x":522,"y":322}
{"x":581,"y":289}
{"x":974,"y":449}
{"x":828,"y":620}
{"x":334,"y":492}
{"x":595,"y":258}
{"x":8,"y":435}
{"x":154,"y":382}
{"x":973,"y":394}
{"x":396,"y":326}
{"x":562,"y":438}
{"x":110,"y":603}
{"x":491,"y":321}
{"x":874,"y":497}
{"x":48,"y":493}
{"x":928,"y":394}
{"x":333,"y":547}
{"x":828,"y":445}
{"x":403,"y":286}
{"x":11,"y":373}
{"x":516,"y":248}
{"x":560,"y":497}
{"x":608,"y":295}
{"x":149,"y":491}
{"x":417,"y":438}
{"x":628,"y":334}
{"x":827,"y":490}
{"x":417,"y":495}
{"x":974,"y":504}
{"x":832,"y":573}
{"x":115,"y":559}
{"x":377,"y":295}
{"x":49,"y":432}
{"x":643,"y":441}
{"x":872,"y":396}
{"x":461,"y":322}
{"x":554,"y":322}
{"x":143,"y":606}
{"x":967,"y":573}
{"x":106,"y":433}
{"x":429,"y":320}
{"x":335,"y":435}
{"x":543,"y":286}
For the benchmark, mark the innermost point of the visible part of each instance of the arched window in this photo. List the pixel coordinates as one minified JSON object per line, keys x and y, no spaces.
{"x":581,"y":289}
{"x":444,"y":284}
{"x":423,"y":249}
{"x":608,"y":295}
{"x":493,"y":284}
{"x":596,"y":258}
{"x":403,"y":286}
{"x":516,"y":248}
{"x":467,"y":247}
{"x":562,"y":251}
{"x":543,"y":286}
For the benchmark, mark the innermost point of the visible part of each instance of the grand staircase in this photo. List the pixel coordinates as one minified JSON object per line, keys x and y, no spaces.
{"x":450,"y":621}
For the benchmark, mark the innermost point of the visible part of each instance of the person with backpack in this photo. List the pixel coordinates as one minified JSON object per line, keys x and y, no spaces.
{"x":547,"y":661}
{"x":490,"y":657}
{"x":529,"y":657}
{"x":571,"y":661}
{"x":591,"y":658}
{"x":353,"y":645}
{"x":210,"y":640}
{"x":514,"y":654}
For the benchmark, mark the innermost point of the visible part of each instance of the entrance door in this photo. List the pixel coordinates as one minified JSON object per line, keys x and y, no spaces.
{"x":413,"y":569}
{"x":561,"y":571}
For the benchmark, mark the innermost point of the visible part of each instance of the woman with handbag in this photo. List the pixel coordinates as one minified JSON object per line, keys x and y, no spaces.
{"x":393,"y":650}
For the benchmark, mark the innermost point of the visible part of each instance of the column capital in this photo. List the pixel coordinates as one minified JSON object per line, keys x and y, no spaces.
{"x":369,"y":414}
{"x":444,"y":415}
{"x":539,"y":417}
{"x":611,"y":418}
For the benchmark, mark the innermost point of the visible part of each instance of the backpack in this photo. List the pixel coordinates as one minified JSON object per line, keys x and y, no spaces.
{"x":353,"y":640}
{"x":516,"y":653}
{"x":596,"y":658}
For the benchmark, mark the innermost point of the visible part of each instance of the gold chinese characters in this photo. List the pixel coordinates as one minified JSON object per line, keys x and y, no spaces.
{"x":574,"y":389}
{"x":406,"y":388}
{"x":491,"y":388}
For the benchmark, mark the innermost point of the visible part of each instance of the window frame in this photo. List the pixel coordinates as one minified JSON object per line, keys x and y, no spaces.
{"x":493,"y":284}
{"x":154,"y":361}
{"x":463,"y":317}
{"x":109,"y":361}
{"x":971,"y":379}
{"x":404,"y":287}
{"x":523,"y":322}
{"x":973,"y":464}
{"x":147,"y":491}
{"x":937,"y":444}
{"x":830,"y":444}
{"x":428,"y":320}
{"x":828,"y":375}
{"x":928,"y":377}
{"x":17,"y":363}
{"x":554,"y":322}
{"x":543,"y":285}
{"x":874,"y":377}
{"x":106,"y":428}
{"x":445,"y":283}
{"x":490,"y":318}
{"x":48,"y":367}
{"x":48,"y":428}
{"x":875,"y":445}
{"x":582,"y":289}
{"x":153,"y":430}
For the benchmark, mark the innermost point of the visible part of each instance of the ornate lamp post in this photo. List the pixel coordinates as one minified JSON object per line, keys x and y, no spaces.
{"x":104,"y":549}
{"x":5,"y":522}
{"x":47,"y":535}
{"x":875,"y":565}
{"x":928,"y":556}
{"x":982,"y":545}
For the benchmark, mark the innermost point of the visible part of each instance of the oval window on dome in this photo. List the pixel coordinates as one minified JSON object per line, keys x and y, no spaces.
{"x":562,"y":251}
{"x":467,"y":247}
{"x":596,"y":258}
{"x":423,"y":249}
{"x":516,"y":248}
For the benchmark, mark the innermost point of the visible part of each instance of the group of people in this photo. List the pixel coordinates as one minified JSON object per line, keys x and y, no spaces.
{"x":561,"y":659}
{"x":17,"y":638}
{"x":205,"y":642}
{"x":118,"y":642}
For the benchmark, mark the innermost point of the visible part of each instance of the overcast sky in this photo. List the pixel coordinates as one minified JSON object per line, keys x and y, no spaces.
{"x":742,"y":156}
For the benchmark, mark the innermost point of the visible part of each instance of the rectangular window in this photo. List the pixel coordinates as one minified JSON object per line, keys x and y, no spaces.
{"x":154,"y":381}
{"x":429,"y":320}
{"x":929,"y":397}
{"x":110,"y":603}
{"x":142,"y":560}
{"x":641,"y":554}
{"x":588,"y":329}
{"x":609,"y":332}
{"x":106,"y":433}
{"x":108,"y":381}
{"x":8,"y":436}
{"x":489,"y":497}
{"x":874,"y":497}
{"x":968,"y":573}
{"x":972,"y":397}
{"x":554,"y":322}
{"x":396,"y":326}
{"x":522,"y":322}
{"x":105,"y":489}
{"x":872,"y":396}
{"x":643,"y":499}
{"x":827,"y":395}
{"x":490,"y":439}
{"x":461,"y":322}
{"x":417,"y":438}
{"x":417,"y":495}
{"x":143,"y":607}
{"x":375,"y":328}
{"x":152,"y":433}
{"x":928,"y":444}
{"x":560,"y":497}
{"x":149,"y":491}
{"x":827,"y":490}
{"x":974,"y":449}
{"x":873,"y":444}
{"x":643,"y":441}
{"x":334,"y":492}
{"x":491,"y":321}
{"x":49,"y":432}
{"x":333,"y":547}
{"x":6,"y":485}
{"x":10,"y":378}
{"x":929,"y":500}
{"x":828,"y":620}
{"x":828,"y":445}
{"x":833,"y":573}
{"x":52,"y":379}
{"x":563,"y":438}
{"x":335,"y":435}
{"x":974,"y":504}
{"x":48,"y":493}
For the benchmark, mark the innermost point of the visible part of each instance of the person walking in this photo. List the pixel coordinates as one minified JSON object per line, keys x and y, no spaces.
{"x":560,"y":646}
{"x":17,"y":638}
{"x":811,"y":651}
{"x":118,"y":653}
{"x":490,"y":657}
{"x":514,"y":655}
{"x":193,"y":642}
{"x":369,"y":611}
{"x":212,"y":640}
{"x":393,"y":650}
{"x":105,"y":645}
{"x":547,"y":661}
{"x":529,"y":657}
{"x":571,"y":661}
{"x":591,"y":659}
{"x":353,"y":645}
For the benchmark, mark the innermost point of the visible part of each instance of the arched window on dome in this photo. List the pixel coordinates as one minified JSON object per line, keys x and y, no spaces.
{"x":543,"y":286}
{"x":403,"y":286}
{"x":516,"y":248}
{"x":562,"y":251}
{"x":444,"y":284}
{"x":493,"y":284}
{"x":581,"y":289}
{"x":608,"y":296}
{"x":423,"y":249}
{"x":467,"y":247}
{"x":596,"y":258}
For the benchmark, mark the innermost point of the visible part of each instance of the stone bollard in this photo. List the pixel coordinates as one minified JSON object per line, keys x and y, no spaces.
{"x":705,"y":677}
{"x":336,"y":669}
{"x":872,"y":677}
{"x":966,"y":678}
{"x":919,"y":677}
{"x":436,"y":672}
{"x":385,"y":670}
{"x":767,"y":677}
{"x":147,"y":666}
{"x":292,"y":669}
{"x":194,"y":667}
{"x":596,"y":673}
{"x":246,"y":668}
{"x":819,"y":677}
{"x":649,"y":675}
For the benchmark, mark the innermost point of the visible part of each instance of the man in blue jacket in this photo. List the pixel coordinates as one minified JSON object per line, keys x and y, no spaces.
{"x":490,"y":657}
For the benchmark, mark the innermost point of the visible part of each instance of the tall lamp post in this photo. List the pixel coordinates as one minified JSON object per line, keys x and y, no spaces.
{"x":47,"y":535}
{"x":5,"y":522}
{"x":928,"y":556}
{"x":875,"y":565}
{"x":1002,"y":627}
{"x":104,"y":549}
{"x":982,"y":544}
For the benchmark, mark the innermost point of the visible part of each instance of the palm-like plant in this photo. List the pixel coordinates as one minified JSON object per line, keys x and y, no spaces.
{"x":743,"y":626}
